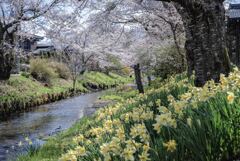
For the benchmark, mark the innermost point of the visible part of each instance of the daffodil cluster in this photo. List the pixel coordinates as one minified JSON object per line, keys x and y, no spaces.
{"x":136,"y":128}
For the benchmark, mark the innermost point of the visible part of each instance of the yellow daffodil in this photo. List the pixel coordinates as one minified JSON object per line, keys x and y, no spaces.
{"x":27,"y":139}
{"x":158,"y":102}
{"x":186,"y":96}
{"x":80,"y":151}
{"x":164,"y":120}
{"x":128,"y":154}
{"x":170,"y":145}
{"x":104,"y":149}
{"x":78,"y":139}
{"x":230,"y":97}
{"x":120,"y":133}
{"x":189,"y":122}
{"x":144,"y":157}
{"x":20,"y":144}
{"x":70,"y":156}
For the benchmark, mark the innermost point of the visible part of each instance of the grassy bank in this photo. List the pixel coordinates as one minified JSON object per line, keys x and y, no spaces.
{"x":22,"y":92}
{"x":175,"y":121}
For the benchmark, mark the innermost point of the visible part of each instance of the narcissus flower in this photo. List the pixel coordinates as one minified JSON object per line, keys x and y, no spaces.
{"x":158,"y":102}
{"x":144,"y":157}
{"x":128,"y":154}
{"x":78,"y":139}
{"x":80,"y":151}
{"x":170,"y":145}
{"x":104,"y":149}
{"x":189,"y":122}
{"x":230,"y":97}
{"x":164,"y":120}
{"x":70,"y":156}
{"x":20,"y":143}
{"x":120,"y":133}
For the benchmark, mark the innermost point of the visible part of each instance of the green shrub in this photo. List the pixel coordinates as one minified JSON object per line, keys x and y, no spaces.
{"x":61,"y":70}
{"x":40,"y":70}
{"x":25,"y":74}
{"x":126,"y":70}
{"x":168,"y":62}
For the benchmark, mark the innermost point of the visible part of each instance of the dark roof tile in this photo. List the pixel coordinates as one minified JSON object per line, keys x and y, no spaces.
{"x":234,"y":6}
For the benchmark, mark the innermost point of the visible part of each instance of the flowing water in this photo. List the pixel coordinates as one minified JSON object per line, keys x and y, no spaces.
{"x":20,"y":131}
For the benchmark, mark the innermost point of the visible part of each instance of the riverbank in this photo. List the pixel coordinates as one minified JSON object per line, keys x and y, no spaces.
{"x":173,"y":120}
{"x":35,"y":126}
{"x":21,"y":93}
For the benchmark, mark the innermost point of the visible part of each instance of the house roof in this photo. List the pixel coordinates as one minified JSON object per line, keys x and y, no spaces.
{"x":45,"y":44}
{"x":43,"y":48}
{"x":234,"y":6}
{"x":30,"y":36}
{"x":39,"y":51}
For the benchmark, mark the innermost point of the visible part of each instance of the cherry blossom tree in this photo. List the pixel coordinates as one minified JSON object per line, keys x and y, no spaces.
{"x":12,"y":14}
{"x":204,"y":26}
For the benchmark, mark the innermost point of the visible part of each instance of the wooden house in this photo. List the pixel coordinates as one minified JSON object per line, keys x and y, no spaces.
{"x":233,"y":33}
{"x":28,"y":42}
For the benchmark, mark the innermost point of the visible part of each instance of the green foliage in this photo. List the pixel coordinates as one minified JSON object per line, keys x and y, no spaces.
{"x":157,"y":83}
{"x":168,"y":62}
{"x":115,"y":65}
{"x":60,"y":69}
{"x":120,"y":93}
{"x":126,"y":70}
{"x":114,"y":60}
{"x":40,"y":70}
{"x":25,"y":74}
{"x":46,"y":70}
{"x":102,"y":80}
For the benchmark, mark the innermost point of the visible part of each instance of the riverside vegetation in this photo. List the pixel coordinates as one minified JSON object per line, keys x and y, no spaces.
{"x":48,"y":82}
{"x":173,"y":120}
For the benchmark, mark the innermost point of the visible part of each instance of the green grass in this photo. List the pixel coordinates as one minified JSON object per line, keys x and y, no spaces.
{"x":20,"y":90}
{"x":212,"y":134}
{"x":101,"y":79}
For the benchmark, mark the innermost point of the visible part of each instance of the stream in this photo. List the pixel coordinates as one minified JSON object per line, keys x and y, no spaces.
{"x":24,"y":129}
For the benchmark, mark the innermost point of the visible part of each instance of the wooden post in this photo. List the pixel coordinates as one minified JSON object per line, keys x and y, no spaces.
{"x":149,"y":80}
{"x":138,"y":78}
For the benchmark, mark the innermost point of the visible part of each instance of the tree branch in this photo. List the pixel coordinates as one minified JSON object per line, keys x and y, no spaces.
{"x":36,"y":15}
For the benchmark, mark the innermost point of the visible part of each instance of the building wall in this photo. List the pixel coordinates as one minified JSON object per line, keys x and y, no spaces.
{"x":28,"y":45}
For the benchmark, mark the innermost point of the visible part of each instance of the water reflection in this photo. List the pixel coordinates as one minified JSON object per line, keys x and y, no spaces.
{"x":43,"y":121}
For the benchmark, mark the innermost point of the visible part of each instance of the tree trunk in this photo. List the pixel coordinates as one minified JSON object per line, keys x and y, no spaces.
{"x":6,"y":57}
{"x":189,"y":44}
{"x":149,"y":80}
{"x":138,"y":78}
{"x":174,"y":28}
{"x":6,"y":63}
{"x":190,"y":58}
{"x":233,"y":41}
{"x":74,"y":84}
{"x":207,"y":40}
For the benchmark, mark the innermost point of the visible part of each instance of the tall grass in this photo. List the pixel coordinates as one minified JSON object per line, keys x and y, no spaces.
{"x":40,"y":70}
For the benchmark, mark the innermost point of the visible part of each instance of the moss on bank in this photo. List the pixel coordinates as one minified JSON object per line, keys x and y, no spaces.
{"x":20,"y":93}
